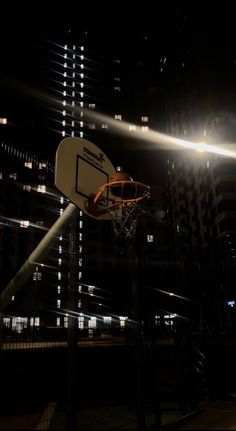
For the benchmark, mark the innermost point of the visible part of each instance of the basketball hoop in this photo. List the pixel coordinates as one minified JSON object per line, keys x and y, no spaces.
{"x":123,"y":200}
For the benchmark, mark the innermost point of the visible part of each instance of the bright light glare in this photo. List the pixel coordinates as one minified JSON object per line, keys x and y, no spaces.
{"x":156,"y":137}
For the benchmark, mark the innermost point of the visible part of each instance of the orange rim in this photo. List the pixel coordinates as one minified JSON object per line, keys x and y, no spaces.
{"x":121,"y":202}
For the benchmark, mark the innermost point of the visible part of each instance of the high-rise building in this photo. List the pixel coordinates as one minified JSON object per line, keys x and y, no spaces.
{"x":79,"y":78}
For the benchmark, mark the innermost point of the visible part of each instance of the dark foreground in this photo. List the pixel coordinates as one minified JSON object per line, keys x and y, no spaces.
{"x":36,"y":393}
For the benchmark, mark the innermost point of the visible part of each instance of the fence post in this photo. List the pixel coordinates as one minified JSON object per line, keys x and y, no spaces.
{"x":138,"y":343}
{"x":71,"y":401}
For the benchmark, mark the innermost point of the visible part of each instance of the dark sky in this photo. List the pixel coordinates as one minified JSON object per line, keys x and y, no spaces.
{"x":210,"y":31}
{"x":22,"y":28}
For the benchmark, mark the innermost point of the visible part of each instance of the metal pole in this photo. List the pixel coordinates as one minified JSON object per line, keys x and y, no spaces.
{"x":138,"y":345}
{"x":36,"y":256}
{"x":71,"y":407}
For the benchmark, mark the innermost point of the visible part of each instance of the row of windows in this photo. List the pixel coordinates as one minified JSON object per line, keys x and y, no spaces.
{"x":31,"y":161}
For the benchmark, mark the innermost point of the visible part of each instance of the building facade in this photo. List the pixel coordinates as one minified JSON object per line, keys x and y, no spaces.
{"x":80,"y":79}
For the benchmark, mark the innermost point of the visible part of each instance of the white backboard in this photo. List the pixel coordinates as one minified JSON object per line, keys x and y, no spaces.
{"x":81,"y":168}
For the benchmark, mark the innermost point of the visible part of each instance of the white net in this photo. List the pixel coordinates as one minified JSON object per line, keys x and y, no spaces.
{"x":124,"y":201}
{"x":125,"y":221}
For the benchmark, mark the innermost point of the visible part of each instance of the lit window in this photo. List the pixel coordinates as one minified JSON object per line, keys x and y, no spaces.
{"x":73,"y":66}
{"x":64,"y":103}
{"x":73,"y":56}
{"x":117,"y":89}
{"x":28,"y":165}
{"x":80,"y":288}
{"x":81,"y":134}
{"x":73,"y":75}
{"x":144,"y":119}
{"x":80,"y":248}
{"x":37,"y":276}
{"x":82,"y":75}
{"x":116,"y":78}
{"x":116,"y":60}
{"x":73,"y":103}
{"x":177,"y":228}
{"x":61,"y":200}
{"x":144,"y":128}
{"x":7,"y":321}
{"x":74,"y":47}
{"x":122,"y":321}
{"x":105,"y":126}
{"x":59,"y":261}
{"x":80,"y":275}
{"x":65,"y":74}
{"x":79,"y":303}
{"x":73,"y":93}
{"x":13,"y":298}
{"x":64,"y":83}
{"x":132,"y":127}
{"x":58,"y":321}
{"x":61,"y":211}
{"x":65,"y":47}
{"x":118,"y":117}
{"x":80,"y":224}
{"x":92,"y":105}
{"x":81,"y":213}
{"x":82,"y":57}
{"x":36,"y":321}
{"x":3,"y":120}
{"x":2,"y":177}
{"x":92,"y":126}
{"x":92,"y":323}
{"x":81,"y":104}
{"x":72,"y":123}
{"x":107,"y":320}
{"x":13,"y":176}
{"x":72,"y":133}
{"x":60,"y":249}
{"x":150,"y":238}
{"x":58,"y":303}
{"x":24,"y":223}
{"x":59,"y":275}
{"x":90,"y":289}
{"x":73,"y":84}
{"x":208,"y":164}
{"x":80,"y":322}
{"x":82,"y":85}
{"x":58,"y":290}
{"x":27,"y":187}
{"x":64,"y":113}
{"x":63,"y":133}
{"x":64,"y":93}
{"x":66,"y":321}
{"x":80,"y":236}
{"x":81,"y":123}
{"x":81,"y":66}
{"x":82,"y":48}
{"x":41,"y":188}
{"x":60,"y":238}
{"x":65,"y":64}
{"x":81,"y":94}
{"x":42,"y":165}
{"x":65,"y":55}
{"x":80,"y":261}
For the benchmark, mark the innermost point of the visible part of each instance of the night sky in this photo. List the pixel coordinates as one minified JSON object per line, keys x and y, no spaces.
{"x":208,"y":34}
{"x":210,"y":28}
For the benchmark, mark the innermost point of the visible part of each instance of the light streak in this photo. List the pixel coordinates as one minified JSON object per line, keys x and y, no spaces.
{"x":156,"y":137}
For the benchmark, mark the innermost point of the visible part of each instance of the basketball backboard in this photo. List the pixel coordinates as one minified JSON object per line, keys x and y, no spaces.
{"x":81,"y":168}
